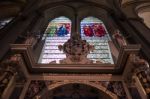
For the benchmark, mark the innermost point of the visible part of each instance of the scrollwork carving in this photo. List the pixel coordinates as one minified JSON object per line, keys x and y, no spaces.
{"x":76,"y":51}
{"x":139,"y":64}
{"x":142,"y":71}
{"x":10,"y":69}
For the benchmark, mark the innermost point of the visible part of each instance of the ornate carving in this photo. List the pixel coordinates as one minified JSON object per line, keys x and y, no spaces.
{"x":120,"y":40}
{"x":9,"y":64}
{"x":76,"y":51}
{"x":140,"y":64}
{"x":31,"y":38}
{"x":142,"y":71}
{"x":11,"y":67}
{"x":37,"y":87}
{"x":34,"y":88}
{"x":8,"y":71}
{"x":135,"y":65}
{"x":115,"y":87}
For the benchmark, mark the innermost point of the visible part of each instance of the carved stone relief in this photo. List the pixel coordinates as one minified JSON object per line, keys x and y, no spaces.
{"x":112,"y":88}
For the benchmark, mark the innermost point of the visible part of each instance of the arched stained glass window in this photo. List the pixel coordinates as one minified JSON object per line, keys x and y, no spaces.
{"x":57,"y":33}
{"x":94,"y":31}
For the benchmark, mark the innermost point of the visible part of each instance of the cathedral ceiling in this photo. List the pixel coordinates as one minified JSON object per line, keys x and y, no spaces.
{"x":45,"y":4}
{"x":92,"y":1}
{"x":56,"y":8}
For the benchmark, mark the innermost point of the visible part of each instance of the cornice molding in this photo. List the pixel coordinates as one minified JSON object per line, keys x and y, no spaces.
{"x":34,"y":67}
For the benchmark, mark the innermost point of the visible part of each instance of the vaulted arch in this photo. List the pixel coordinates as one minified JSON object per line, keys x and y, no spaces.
{"x":100,"y":88}
{"x":143,"y":11}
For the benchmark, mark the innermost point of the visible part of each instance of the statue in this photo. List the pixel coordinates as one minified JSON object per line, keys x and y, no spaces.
{"x":119,"y":38}
{"x":31,"y":38}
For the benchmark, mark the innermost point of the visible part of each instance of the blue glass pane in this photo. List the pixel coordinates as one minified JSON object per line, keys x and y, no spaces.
{"x":59,"y":27}
{"x":57,"y":33}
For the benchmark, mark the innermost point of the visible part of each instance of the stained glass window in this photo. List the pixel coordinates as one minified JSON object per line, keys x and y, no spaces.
{"x":57,"y":33}
{"x":94,"y":31}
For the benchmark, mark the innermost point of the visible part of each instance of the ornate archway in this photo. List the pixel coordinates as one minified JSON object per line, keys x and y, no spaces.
{"x":93,"y":85}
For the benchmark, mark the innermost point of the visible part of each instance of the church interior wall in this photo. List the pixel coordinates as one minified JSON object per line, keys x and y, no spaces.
{"x":35,"y":18}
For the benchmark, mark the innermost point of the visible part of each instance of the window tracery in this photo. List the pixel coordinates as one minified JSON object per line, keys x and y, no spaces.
{"x":58,"y":32}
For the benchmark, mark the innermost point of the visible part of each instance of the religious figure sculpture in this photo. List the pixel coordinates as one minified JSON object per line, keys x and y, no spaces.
{"x":120,"y":40}
{"x":30,"y":38}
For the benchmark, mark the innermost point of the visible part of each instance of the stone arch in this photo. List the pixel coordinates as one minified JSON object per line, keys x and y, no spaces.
{"x":94,"y":85}
{"x":58,"y":11}
{"x":49,"y":21}
{"x":97,"y":12}
{"x":100,"y":11}
{"x":85,"y":2}
{"x":143,"y":11}
{"x":61,"y":9}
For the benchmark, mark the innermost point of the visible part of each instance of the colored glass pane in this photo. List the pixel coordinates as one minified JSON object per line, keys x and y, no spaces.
{"x":93,"y":31}
{"x":57,"y":33}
